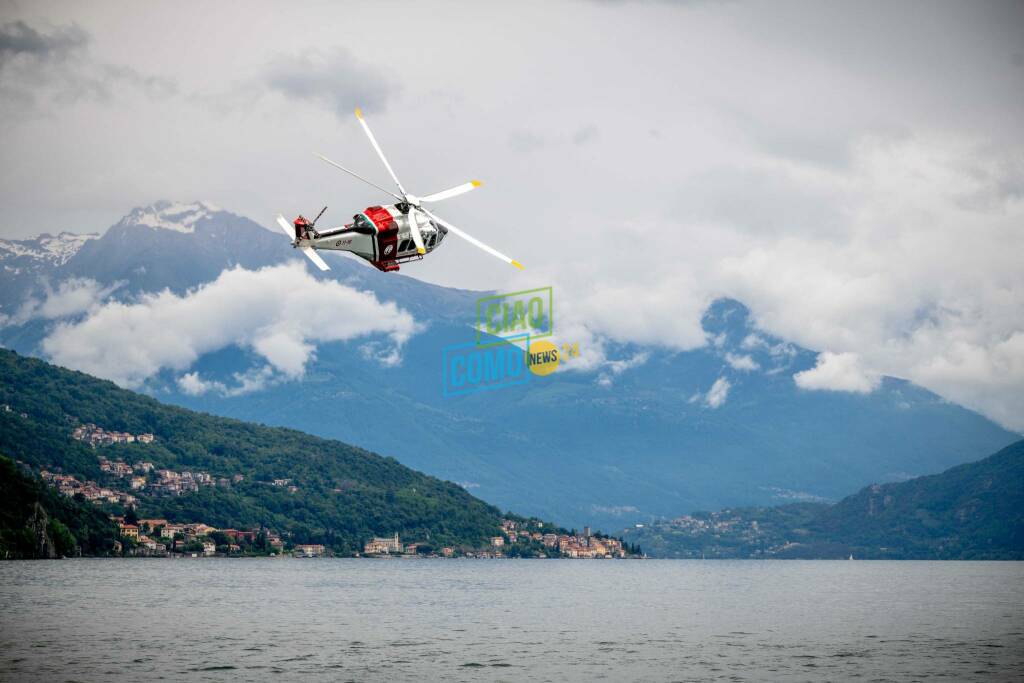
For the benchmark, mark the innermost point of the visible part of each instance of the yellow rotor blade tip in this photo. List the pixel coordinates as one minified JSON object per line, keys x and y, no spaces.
{"x":421,"y":250}
{"x":359,"y":113}
{"x":477,"y":183}
{"x":517,"y":264}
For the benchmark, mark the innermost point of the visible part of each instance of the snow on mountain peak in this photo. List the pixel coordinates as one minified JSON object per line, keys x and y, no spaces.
{"x":176,"y":216}
{"x":55,"y":249}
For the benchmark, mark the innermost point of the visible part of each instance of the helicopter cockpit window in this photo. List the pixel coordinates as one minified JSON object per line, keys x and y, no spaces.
{"x":403,"y":246}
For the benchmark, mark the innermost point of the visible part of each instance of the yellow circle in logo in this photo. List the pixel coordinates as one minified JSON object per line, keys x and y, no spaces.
{"x":542,"y":358}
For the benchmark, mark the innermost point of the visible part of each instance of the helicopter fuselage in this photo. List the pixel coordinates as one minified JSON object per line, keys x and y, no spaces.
{"x":379,"y":234}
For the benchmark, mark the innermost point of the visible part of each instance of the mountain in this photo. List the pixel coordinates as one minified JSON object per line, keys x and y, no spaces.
{"x":972,"y":511}
{"x":969,"y":512}
{"x":24,"y":263}
{"x":336,"y":494}
{"x":574,"y":449}
{"x":633,"y":442}
{"x":175,"y":246}
{"x":43,"y":250}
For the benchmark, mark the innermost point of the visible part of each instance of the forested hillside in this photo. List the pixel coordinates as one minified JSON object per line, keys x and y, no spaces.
{"x":334,"y":494}
{"x":969,"y":512}
{"x":972,"y":511}
{"x":37,"y":522}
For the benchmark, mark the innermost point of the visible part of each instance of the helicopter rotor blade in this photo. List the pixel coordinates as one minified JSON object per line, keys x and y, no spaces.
{"x":452,"y":191}
{"x":380,"y":153}
{"x":308,"y":251}
{"x":356,"y":175}
{"x":472,"y":240}
{"x":315,"y":258}
{"x":414,"y":228}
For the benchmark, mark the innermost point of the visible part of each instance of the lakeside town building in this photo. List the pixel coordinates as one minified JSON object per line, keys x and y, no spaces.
{"x":383,"y":545}
{"x":308,"y":550}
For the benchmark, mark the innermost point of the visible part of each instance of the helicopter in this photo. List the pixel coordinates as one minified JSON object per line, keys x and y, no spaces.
{"x":384,"y":235}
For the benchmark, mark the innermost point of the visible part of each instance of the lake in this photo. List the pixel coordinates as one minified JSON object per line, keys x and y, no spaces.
{"x":546,"y":620}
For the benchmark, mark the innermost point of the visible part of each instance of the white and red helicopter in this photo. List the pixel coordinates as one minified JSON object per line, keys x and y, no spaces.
{"x":384,"y":235}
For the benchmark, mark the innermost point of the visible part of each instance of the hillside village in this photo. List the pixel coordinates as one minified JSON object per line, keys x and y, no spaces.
{"x":97,"y":436}
{"x":142,"y":477}
{"x":159,"y":537}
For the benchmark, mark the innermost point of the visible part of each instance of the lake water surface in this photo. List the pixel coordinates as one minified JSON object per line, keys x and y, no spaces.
{"x":547,"y":620}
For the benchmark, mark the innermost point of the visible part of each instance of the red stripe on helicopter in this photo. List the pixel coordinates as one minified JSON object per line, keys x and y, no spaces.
{"x":387,"y":234}
{"x":381,"y":217}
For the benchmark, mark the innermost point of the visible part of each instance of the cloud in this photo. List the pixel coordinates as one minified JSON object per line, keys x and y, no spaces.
{"x":18,"y":39}
{"x":907,"y":259}
{"x":753,"y":341}
{"x":718,"y":392}
{"x":523,"y":140}
{"x":741,"y":362}
{"x":58,"y":68}
{"x":250,"y":381}
{"x":838,"y":372}
{"x":72,"y":297}
{"x":386,"y":355}
{"x":192,"y":384}
{"x":887,"y":225}
{"x":585,"y":135}
{"x":597,"y":352}
{"x":281,"y":313}
{"x":526,"y":141}
{"x":335,"y":80}
{"x":610,"y":368}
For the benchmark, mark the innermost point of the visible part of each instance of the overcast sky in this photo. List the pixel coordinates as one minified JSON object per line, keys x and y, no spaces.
{"x":852,"y":172}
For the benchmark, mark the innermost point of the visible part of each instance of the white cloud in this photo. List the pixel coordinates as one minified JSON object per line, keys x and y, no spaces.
{"x":741,"y":362}
{"x":611,"y":368}
{"x":838,"y":372}
{"x":387,"y":355}
{"x":619,"y":366}
{"x":718,"y":392}
{"x":281,"y":313}
{"x":192,"y":384}
{"x":254,"y":379}
{"x":71,"y":297}
{"x":752,"y":341}
{"x":898,"y":269}
{"x":888,"y":225}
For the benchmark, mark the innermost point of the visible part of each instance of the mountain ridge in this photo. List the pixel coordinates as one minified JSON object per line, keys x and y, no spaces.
{"x":577,"y":447}
{"x":973,"y":511}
